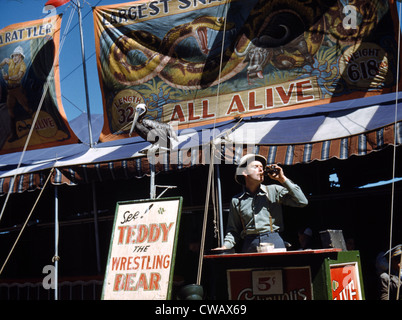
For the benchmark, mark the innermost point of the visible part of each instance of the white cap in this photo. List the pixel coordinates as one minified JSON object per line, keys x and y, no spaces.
{"x":18,"y":50}
{"x":243,"y":163}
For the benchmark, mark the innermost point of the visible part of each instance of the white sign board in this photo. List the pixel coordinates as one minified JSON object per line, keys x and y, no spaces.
{"x":142,"y":250}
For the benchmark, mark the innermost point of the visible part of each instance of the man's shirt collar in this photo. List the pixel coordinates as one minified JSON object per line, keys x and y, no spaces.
{"x":246,"y":193}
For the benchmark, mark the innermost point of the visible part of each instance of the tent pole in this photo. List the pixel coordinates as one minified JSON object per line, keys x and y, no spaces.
{"x":95,"y":208}
{"x":85,"y":74}
{"x":152,"y":188}
{"x":56,"y":243}
{"x":220,"y":211}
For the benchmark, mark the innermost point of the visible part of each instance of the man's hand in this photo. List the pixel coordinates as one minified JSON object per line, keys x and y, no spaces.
{"x":219,"y":248}
{"x":279,"y":176}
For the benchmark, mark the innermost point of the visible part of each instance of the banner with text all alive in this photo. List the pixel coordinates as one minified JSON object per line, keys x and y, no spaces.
{"x":196,"y":62}
{"x":29,"y":65}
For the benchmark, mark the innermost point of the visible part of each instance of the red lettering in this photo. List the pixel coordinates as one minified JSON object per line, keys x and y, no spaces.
{"x":251,"y":102}
{"x":129,"y":282}
{"x":166,"y":261}
{"x":115,"y":263}
{"x":130,"y":232}
{"x":148,"y":261}
{"x":142,"y":282}
{"x":154,"y":281}
{"x":126,"y":282}
{"x":191,"y":116}
{"x":136,"y":263}
{"x":205,"y":106}
{"x":142,"y":233}
{"x":302,"y":86}
{"x":158,"y":261}
{"x":178,"y":114}
{"x":154,"y":233}
{"x":118,"y":282}
{"x":143,"y":261}
{"x":121,"y":229}
{"x":236,"y":105}
{"x":165,"y":230}
{"x":129,"y":261}
{"x":270,"y":97}
{"x":123,"y":263}
{"x":285,"y":96}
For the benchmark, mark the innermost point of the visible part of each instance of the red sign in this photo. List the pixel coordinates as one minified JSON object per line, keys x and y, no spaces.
{"x":345,"y":281}
{"x":292,"y":283}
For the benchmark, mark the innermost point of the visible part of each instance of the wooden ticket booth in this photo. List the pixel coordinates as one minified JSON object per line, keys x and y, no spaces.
{"x":325,"y":274}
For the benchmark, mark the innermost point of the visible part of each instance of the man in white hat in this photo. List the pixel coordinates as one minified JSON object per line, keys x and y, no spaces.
{"x":256,"y":213}
{"x":16,"y":93}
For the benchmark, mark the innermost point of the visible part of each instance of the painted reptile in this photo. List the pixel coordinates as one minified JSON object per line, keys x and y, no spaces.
{"x":161,"y":58}
{"x":285,"y":33}
{"x":368,"y":15}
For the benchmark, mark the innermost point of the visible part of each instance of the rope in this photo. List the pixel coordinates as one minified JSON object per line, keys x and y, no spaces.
{"x":215,"y":204}
{"x":213,"y":154}
{"x":394,"y":159}
{"x":26,"y":222}
{"x":221,"y":60}
{"x":399,"y":279}
{"x":204,"y":226}
{"x":212,"y":161}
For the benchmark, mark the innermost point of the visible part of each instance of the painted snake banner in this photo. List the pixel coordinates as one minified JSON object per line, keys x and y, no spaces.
{"x":29,"y":66}
{"x":194,"y":62}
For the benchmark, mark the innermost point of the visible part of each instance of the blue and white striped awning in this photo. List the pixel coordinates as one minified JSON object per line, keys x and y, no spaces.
{"x":322,"y":123}
{"x":119,"y":159}
{"x":340,"y":129}
{"x":301,"y":135}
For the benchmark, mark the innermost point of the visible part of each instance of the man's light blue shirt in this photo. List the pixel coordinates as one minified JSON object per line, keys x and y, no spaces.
{"x":261,"y":212}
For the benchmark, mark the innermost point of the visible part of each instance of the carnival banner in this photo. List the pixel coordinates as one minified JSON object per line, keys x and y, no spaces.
{"x":28,"y":53}
{"x":199,"y":61}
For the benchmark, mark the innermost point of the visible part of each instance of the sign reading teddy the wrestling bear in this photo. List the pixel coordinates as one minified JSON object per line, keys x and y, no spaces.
{"x":142,"y":250}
